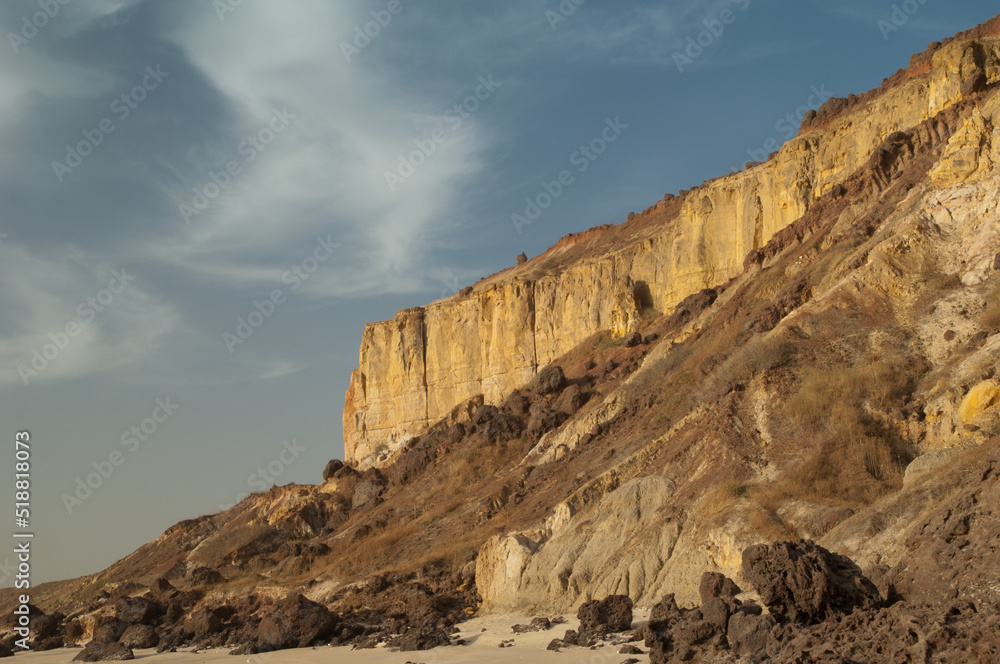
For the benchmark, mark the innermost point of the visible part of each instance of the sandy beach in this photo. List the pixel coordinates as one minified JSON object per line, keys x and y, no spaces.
{"x":483,"y":636}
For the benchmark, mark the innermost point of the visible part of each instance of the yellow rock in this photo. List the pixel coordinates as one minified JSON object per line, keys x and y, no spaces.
{"x":981,"y":398}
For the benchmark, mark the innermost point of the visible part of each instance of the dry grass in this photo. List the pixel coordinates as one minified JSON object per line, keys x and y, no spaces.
{"x":856,"y":461}
{"x":758,"y":355}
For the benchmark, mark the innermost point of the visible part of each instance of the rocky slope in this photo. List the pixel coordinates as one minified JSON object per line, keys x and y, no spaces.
{"x":619,"y":417}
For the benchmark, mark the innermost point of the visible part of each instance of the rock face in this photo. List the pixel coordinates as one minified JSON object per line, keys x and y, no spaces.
{"x":415,"y":368}
{"x":804,"y":583}
{"x":104,"y":652}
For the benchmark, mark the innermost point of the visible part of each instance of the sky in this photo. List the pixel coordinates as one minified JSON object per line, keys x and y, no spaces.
{"x":204,"y":201}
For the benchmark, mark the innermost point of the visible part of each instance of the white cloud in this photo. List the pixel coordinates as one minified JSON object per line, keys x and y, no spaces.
{"x":42,"y":294}
{"x":325,"y":172}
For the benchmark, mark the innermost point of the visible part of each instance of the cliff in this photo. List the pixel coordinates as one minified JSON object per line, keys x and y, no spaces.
{"x":417,"y":367}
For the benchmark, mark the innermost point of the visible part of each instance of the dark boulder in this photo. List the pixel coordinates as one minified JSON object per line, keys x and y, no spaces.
{"x":571,"y":400}
{"x":108,"y":629}
{"x":804,"y":583}
{"x":747,"y":633}
{"x":138,"y":610}
{"x":44,"y":627}
{"x":544,"y":419}
{"x":296,"y":622}
{"x":104,"y":652}
{"x":421,"y":638}
{"x":140,"y":636}
{"x":714,"y":585}
{"x":609,"y":615}
{"x":331,"y":469}
{"x":205,"y":576}
{"x":203,"y":623}
{"x":549,"y":381}
{"x":5,"y":651}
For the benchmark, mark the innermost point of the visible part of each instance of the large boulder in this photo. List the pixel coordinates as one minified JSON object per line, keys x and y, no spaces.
{"x":138,"y":610}
{"x":202,"y":623}
{"x":607,"y":616}
{"x":108,"y":629}
{"x":140,"y":636}
{"x":804,"y":583}
{"x":331,"y":468}
{"x":5,"y":651}
{"x":714,"y":584}
{"x":205,"y":576}
{"x":296,"y":622}
{"x":549,"y":380}
{"x":104,"y":652}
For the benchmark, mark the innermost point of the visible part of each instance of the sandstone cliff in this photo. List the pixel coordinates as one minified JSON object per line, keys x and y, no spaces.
{"x":414,"y":369}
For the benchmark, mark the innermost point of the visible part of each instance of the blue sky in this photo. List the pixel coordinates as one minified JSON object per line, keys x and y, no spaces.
{"x":169,"y":169}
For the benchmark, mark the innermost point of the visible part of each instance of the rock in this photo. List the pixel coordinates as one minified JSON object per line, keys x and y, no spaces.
{"x":571,"y":400}
{"x":138,"y":610}
{"x":140,"y":636}
{"x":250,"y":649}
{"x":554,"y":644}
{"x":747,"y":633}
{"x":714,"y":585}
{"x":409,"y":465}
{"x":601,"y":617}
{"x":104,"y":652}
{"x":589,"y":365}
{"x":44,"y":627}
{"x":5,"y":651}
{"x":549,"y":380}
{"x":369,"y":489}
{"x":522,"y":258}
{"x":629,"y":649}
{"x":296,"y":622}
{"x":423,"y":638}
{"x":203,"y":623}
{"x":50,"y":643}
{"x":632,"y":340}
{"x":108,"y":629}
{"x":539,"y":624}
{"x":544,"y":419}
{"x":331,"y":469}
{"x":974,"y":84}
{"x":804,"y":583}
{"x":205,"y":576}
{"x":609,"y":366}
{"x":72,"y":631}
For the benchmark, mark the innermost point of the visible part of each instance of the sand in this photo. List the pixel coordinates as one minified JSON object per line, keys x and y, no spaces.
{"x":482,"y":648}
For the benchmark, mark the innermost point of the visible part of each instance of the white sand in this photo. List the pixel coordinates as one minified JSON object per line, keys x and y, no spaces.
{"x":482,"y":648}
